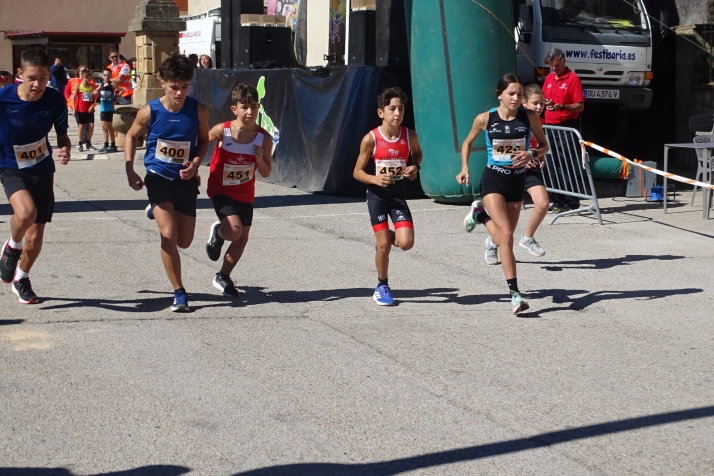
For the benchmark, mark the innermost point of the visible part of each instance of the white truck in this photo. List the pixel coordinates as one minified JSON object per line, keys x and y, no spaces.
{"x":202,"y":35}
{"x":607,"y":43}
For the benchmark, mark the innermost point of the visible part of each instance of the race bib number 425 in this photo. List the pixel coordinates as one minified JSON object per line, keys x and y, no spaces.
{"x":173,"y":152}
{"x":237,"y":174}
{"x":30,"y":154}
{"x":395,"y":168}
{"x":503,"y":149}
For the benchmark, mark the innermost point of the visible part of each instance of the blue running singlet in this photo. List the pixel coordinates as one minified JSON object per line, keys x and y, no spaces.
{"x":171,"y":139}
{"x":504,"y":138}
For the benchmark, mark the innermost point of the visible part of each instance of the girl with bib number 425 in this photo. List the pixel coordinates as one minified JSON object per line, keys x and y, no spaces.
{"x":243,"y":147}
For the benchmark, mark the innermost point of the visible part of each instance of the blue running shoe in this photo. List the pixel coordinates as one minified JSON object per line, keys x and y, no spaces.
{"x":149,"y":212}
{"x":180,"y":301}
{"x":383,"y":295}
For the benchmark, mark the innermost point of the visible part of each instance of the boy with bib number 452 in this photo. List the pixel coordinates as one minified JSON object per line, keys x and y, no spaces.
{"x":382,"y":165}
{"x":243,"y":147}
{"x":176,"y":143}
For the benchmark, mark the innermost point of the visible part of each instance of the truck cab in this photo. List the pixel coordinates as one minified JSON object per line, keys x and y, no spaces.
{"x":202,"y":35}
{"x":607,"y":43}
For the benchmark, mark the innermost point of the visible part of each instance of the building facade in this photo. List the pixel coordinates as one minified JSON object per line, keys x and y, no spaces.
{"x":77,"y":31}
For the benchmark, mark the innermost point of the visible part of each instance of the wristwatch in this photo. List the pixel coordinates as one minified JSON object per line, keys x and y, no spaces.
{"x":418,"y":166}
{"x":534,"y":153}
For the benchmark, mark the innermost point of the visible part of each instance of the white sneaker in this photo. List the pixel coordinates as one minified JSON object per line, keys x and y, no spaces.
{"x":470,"y":219}
{"x":531,"y":245}
{"x":491,"y":251}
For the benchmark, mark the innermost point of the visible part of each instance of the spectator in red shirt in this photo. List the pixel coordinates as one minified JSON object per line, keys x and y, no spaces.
{"x":563,"y":93}
{"x":564,"y":101}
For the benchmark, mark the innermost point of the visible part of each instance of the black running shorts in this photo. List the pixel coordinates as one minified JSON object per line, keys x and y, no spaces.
{"x":381,"y":207}
{"x":506,"y":182}
{"x":106,"y":117}
{"x":181,"y":193}
{"x":84,"y":117}
{"x":225,"y":206}
{"x":39,"y":186}
{"x":534,"y":178}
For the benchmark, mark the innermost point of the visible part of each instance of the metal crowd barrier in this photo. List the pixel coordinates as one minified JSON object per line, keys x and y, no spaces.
{"x":567,"y":169}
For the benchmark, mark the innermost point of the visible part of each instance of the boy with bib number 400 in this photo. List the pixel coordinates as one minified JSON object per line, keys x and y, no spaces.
{"x":28,"y":111}
{"x":382,"y":165}
{"x":177,"y":141}
{"x":243,"y":146}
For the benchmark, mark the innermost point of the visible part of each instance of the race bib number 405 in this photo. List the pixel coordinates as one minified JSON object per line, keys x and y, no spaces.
{"x":30,"y":154}
{"x":503,"y":149}
{"x":394,"y":167}
{"x":173,"y":152}
{"x":237,"y":174}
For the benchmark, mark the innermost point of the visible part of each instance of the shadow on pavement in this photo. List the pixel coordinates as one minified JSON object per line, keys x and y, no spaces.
{"x":10,"y":322}
{"x":489,"y":450}
{"x":273,"y":201}
{"x":605,"y":263}
{"x":156,"y":470}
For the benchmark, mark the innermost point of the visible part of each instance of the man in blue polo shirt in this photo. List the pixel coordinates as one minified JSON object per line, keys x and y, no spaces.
{"x":28,"y":111}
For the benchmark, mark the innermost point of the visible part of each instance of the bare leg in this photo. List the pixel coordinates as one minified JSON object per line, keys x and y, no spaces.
{"x":384,"y":245}
{"x":24,"y":214}
{"x":105,"y":130}
{"x":81,"y":133}
{"x":233,"y":230}
{"x":90,"y":131}
{"x":504,"y":217}
{"x":110,"y":133}
{"x":33,"y":246}
{"x":172,"y":226}
{"x":540,"y":209}
{"x":404,"y":238}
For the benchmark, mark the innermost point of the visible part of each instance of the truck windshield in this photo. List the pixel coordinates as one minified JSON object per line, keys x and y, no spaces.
{"x":596,"y":14}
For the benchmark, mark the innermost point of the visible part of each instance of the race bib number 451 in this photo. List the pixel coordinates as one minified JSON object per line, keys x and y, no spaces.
{"x":30,"y":154}
{"x":395,"y":168}
{"x":237,"y":174}
{"x":173,"y":152}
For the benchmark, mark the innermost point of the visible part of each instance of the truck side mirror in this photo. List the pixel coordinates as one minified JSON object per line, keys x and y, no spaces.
{"x":525,"y":19}
{"x":664,"y":22}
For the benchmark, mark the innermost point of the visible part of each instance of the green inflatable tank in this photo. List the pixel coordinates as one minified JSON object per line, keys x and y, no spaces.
{"x":458,"y":53}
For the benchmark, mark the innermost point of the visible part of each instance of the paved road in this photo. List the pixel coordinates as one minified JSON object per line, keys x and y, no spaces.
{"x":610,"y":374}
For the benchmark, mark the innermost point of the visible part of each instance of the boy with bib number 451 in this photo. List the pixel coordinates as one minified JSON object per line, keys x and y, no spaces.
{"x":243,"y":147}
{"x":177,"y":140}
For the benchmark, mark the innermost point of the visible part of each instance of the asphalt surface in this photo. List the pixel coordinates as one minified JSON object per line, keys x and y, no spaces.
{"x":611,"y":372}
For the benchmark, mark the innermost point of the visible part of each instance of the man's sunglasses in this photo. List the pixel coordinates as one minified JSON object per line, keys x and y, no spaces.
{"x":113,"y":57}
{"x":106,"y":75}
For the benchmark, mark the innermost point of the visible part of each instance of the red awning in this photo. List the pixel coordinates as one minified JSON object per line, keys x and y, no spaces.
{"x":39,"y":34}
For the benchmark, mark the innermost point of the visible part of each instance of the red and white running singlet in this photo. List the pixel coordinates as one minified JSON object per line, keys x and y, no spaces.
{"x":233,"y":167}
{"x":391,"y":156}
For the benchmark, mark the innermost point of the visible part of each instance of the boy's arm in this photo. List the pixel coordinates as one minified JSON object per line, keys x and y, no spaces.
{"x":264,"y":156}
{"x":413,"y":170}
{"x":365,"y":153}
{"x":137,"y":129}
{"x":216,"y":133}
{"x":191,"y":165}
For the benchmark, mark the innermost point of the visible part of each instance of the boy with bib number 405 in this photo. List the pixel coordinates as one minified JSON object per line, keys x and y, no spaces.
{"x":28,"y":111}
{"x":382,"y":165}
{"x":243,"y":147}
{"x":176,"y":143}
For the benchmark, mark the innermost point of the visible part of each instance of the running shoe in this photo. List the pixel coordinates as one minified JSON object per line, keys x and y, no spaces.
{"x":80,"y":148}
{"x":180,"y":301}
{"x":383,"y":295}
{"x":470,"y":220}
{"x":103,"y":150}
{"x":491,"y":251}
{"x":23,"y":290}
{"x":111,"y":150}
{"x":89,"y":146}
{"x":518,"y":304}
{"x":531,"y":245}
{"x":8,"y":262}
{"x":215,"y":243}
{"x":225,"y":285}
{"x":149,"y":212}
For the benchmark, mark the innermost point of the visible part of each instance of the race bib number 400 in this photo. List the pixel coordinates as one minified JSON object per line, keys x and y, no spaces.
{"x":395,"y":168}
{"x":30,"y":154}
{"x":503,"y":149}
{"x":237,"y":174}
{"x":173,"y":152}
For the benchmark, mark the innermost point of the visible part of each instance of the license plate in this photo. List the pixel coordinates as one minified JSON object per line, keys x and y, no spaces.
{"x":601,"y":93}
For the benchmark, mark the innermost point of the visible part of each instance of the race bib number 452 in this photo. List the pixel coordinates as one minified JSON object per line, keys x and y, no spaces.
{"x":30,"y":154}
{"x":173,"y":152}
{"x":237,"y":174}
{"x":395,"y":168}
